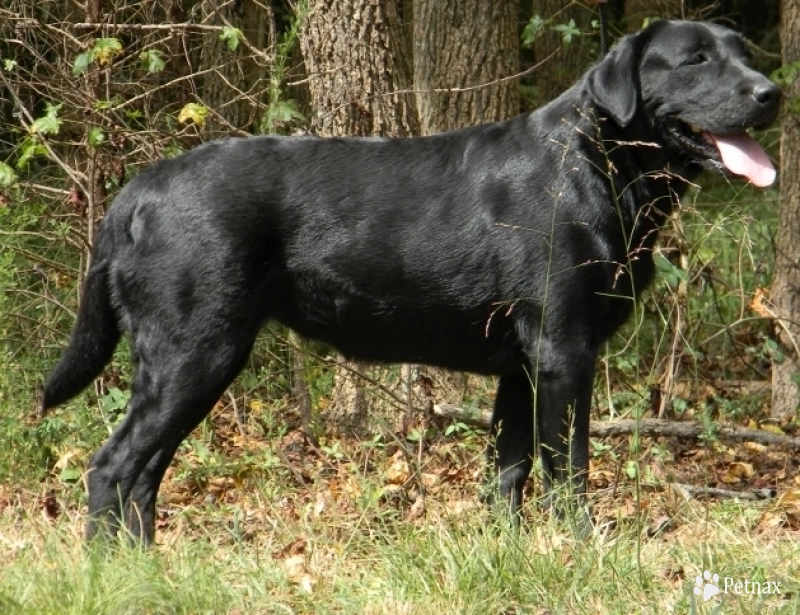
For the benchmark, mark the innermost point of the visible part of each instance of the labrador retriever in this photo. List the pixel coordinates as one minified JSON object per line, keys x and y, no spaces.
{"x":514,"y":248}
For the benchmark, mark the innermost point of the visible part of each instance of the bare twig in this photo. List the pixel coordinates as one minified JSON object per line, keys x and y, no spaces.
{"x":144,"y":27}
{"x":238,"y":414}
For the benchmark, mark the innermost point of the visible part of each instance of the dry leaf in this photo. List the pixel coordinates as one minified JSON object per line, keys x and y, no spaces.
{"x":460,"y":507}
{"x":398,"y":472}
{"x":770,"y":520}
{"x":737,"y":472}
{"x":417,"y":509}
{"x":756,"y":447}
{"x":298,"y":573}
{"x":430,"y":480}
{"x":64,"y":460}
{"x":50,"y":508}
{"x":319,"y":504}
{"x":545,"y":544}
{"x":788,"y":499}
{"x":759,"y":303}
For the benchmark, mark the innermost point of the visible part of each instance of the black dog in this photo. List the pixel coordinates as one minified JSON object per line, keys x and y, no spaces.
{"x":514,"y":248}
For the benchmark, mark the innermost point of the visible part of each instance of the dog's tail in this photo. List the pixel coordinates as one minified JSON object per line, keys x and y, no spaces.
{"x":94,"y":336}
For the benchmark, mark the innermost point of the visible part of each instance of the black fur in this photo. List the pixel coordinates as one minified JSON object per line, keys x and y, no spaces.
{"x":512,"y":249}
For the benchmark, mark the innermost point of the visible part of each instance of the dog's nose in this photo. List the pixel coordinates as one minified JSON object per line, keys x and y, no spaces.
{"x":767,"y":93}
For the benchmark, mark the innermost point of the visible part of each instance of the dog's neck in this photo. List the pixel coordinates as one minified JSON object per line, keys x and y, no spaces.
{"x":658,"y":175}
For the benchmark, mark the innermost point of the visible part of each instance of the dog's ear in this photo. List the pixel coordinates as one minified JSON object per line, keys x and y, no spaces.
{"x":613,"y":84}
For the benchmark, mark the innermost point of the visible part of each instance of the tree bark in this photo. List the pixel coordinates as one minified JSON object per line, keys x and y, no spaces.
{"x":465,"y":44}
{"x":355,"y":59}
{"x":786,"y":279}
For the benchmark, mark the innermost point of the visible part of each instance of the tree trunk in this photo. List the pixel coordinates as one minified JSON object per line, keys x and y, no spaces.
{"x":786,"y":279}
{"x":465,"y":44}
{"x":355,"y":58}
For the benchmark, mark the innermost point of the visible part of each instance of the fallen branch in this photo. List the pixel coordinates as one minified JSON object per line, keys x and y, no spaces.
{"x":695,"y":491}
{"x":717,"y":492}
{"x":644,"y":427}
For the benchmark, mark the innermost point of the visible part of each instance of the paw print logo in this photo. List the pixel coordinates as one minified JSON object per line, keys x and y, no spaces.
{"x":706,"y":586}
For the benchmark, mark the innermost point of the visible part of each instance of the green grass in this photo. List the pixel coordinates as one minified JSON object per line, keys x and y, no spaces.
{"x":450,"y":562}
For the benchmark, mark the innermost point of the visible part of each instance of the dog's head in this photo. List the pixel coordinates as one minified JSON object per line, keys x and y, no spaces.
{"x":690,"y":84}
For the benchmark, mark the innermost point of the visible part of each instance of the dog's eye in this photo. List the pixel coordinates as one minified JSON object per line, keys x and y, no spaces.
{"x":698,"y":58}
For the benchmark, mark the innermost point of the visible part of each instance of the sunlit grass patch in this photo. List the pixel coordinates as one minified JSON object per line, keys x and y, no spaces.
{"x":454,"y":560}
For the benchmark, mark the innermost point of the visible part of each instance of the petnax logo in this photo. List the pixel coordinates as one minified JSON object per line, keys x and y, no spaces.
{"x":710,"y":584}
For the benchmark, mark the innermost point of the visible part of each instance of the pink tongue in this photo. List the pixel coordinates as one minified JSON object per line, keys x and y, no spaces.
{"x":743,"y":156}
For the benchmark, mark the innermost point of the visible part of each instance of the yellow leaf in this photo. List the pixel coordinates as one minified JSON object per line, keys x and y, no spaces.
{"x":66,"y":458}
{"x":105,"y":49}
{"x":352,"y":487}
{"x":772,"y":428}
{"x":192,"y":112}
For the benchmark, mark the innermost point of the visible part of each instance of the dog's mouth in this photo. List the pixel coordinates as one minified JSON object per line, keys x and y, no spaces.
{"x":735,"y":152}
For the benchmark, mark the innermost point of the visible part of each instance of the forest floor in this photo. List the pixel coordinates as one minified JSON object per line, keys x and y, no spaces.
{"x":249,"y":523}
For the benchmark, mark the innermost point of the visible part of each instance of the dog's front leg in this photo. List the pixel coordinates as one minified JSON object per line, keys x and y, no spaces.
{"x":562,"y":397}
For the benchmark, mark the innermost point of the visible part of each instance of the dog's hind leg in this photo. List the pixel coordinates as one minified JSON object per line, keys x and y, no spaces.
{"x":178,"y":379}
{"x":140,"y":512}
{"x":510,"y":452}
